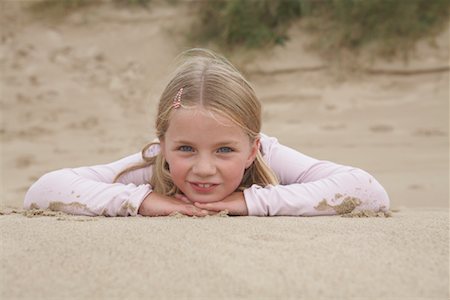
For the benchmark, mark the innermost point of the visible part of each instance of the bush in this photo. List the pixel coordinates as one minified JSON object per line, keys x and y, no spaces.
{"x":390,"y":26}
{"x":249,"y":23}
{"x":394,"y":25}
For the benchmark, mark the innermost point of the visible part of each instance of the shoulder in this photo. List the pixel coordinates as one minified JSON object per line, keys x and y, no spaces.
{"x":267,"y":142}
{"x":271,"y":147}
{"x":288,"y":164}
{"x":273,"y":152}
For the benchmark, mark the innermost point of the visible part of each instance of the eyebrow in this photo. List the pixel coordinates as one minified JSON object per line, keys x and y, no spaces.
{"x":222,"y":143}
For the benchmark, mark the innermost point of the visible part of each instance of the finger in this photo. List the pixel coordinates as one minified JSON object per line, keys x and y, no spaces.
{"x":182,"y":198}
{"x":216,"y":206}
{"x":198,"y":212}
{"x":203,"y":213}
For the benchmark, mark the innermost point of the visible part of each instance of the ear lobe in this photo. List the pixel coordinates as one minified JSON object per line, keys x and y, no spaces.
{"x":253,"y":153}
{"x":162,"y":146}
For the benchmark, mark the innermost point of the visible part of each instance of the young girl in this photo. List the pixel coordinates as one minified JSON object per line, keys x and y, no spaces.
{"x":209,"y":156}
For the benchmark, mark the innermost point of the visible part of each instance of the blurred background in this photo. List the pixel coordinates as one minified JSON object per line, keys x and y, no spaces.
{"x":362,"y":83}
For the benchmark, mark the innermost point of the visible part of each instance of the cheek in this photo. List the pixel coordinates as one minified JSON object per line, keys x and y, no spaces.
{"x":176,"y":166}
{"x":234,"y":172}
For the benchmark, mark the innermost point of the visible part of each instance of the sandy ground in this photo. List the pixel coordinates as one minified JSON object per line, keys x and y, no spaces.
{"x":405,"y":256}
{"x":83,"y":92}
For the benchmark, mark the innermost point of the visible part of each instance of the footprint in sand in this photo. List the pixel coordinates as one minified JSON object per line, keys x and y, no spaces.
{"x":49,"y":95}
{"x":21,"y":98}
{"x":381,"y":128}
{"x":416,"y":186}
{"x":429,"y":132}
{"x":62,"y":56}
{"x":330,"y":107}
{"x":87,"y":123}
{"x":60,"y":150}
{"x":32,"y":132}
{"x":34,"y":80}
{"x":24,"y":161}
{"x":22,"y":53}
{"x":333,"y":126}
{"x":21,"y":56}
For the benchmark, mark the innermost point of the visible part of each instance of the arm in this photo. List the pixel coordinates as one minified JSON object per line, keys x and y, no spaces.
{"x":91,"y":191}
{"x":311,"y":187}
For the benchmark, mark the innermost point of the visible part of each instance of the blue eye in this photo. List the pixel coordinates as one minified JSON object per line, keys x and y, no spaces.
{"x":225,"y":150}
{"x":185,"y":148}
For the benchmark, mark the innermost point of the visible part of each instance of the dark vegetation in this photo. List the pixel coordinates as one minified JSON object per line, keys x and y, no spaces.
{"x":386,"y":26}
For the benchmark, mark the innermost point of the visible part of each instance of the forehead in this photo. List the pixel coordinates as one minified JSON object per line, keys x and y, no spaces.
{"x":199,"y":124}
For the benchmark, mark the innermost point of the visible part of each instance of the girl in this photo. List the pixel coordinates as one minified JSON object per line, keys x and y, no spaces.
{"x":209,"y":156}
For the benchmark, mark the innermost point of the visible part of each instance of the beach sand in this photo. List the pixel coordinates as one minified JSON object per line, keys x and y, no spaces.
{"x":83,"y":92}
{"x":73,"y":257}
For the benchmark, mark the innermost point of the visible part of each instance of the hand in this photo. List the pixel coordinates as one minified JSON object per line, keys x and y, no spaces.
{"x":234,"y":204}
{"x":158,"y":205}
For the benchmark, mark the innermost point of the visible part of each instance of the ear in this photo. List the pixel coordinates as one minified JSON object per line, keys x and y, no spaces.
{"x":254,"y":151}
{"x":162,"y":145}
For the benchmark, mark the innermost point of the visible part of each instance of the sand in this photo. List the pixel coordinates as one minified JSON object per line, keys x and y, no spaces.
{"x":405,"y":256}
{"x":84,"y":91}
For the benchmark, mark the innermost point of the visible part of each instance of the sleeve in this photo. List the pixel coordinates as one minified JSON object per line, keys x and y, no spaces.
{"x":91,"y":191}
{"x":310,"y":187}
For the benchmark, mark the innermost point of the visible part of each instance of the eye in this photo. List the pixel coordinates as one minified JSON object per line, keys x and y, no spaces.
{"x":185,"y":148}
{"x":224,"y":150}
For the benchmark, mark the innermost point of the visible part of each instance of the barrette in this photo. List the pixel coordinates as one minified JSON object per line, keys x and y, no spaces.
{"x":177,"y":100}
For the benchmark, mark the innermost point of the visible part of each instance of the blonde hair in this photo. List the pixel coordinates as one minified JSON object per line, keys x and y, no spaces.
{"x":212,"y":82}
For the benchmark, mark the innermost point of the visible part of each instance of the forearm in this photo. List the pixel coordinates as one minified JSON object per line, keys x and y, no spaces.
{"x":64,"y":190}
{"x":146,"y":207}
{"x":336,"y":194}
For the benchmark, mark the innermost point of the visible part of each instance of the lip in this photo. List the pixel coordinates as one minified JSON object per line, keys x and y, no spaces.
{"x":201,"y":189}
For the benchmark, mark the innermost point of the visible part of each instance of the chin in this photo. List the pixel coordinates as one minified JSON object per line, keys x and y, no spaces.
{"x":206,"y":198}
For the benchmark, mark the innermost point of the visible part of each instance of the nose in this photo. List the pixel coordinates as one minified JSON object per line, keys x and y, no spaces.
{"x":204,"y":166}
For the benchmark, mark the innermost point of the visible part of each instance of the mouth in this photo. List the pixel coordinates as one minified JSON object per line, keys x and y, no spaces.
{"x":202,"y":187}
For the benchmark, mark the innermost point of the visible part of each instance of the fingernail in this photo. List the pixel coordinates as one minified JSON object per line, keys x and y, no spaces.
{"x":204,"y":211}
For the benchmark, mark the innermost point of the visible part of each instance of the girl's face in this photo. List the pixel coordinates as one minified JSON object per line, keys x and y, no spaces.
{"x":207,"y":154}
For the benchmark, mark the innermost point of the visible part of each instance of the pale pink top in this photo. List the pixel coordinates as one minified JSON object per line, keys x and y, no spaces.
{"x":305,"y":184}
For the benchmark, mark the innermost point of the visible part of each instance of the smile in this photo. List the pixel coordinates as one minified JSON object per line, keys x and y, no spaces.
{"x":203,"y":187}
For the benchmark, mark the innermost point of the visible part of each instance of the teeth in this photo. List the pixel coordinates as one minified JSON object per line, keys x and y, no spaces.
{"x":206,"y":185}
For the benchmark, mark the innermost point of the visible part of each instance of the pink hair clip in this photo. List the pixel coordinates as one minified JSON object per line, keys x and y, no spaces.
{"x":177,"y":99}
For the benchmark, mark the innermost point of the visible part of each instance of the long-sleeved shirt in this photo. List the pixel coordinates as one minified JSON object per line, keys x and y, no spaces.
{"x":308,"y":187}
